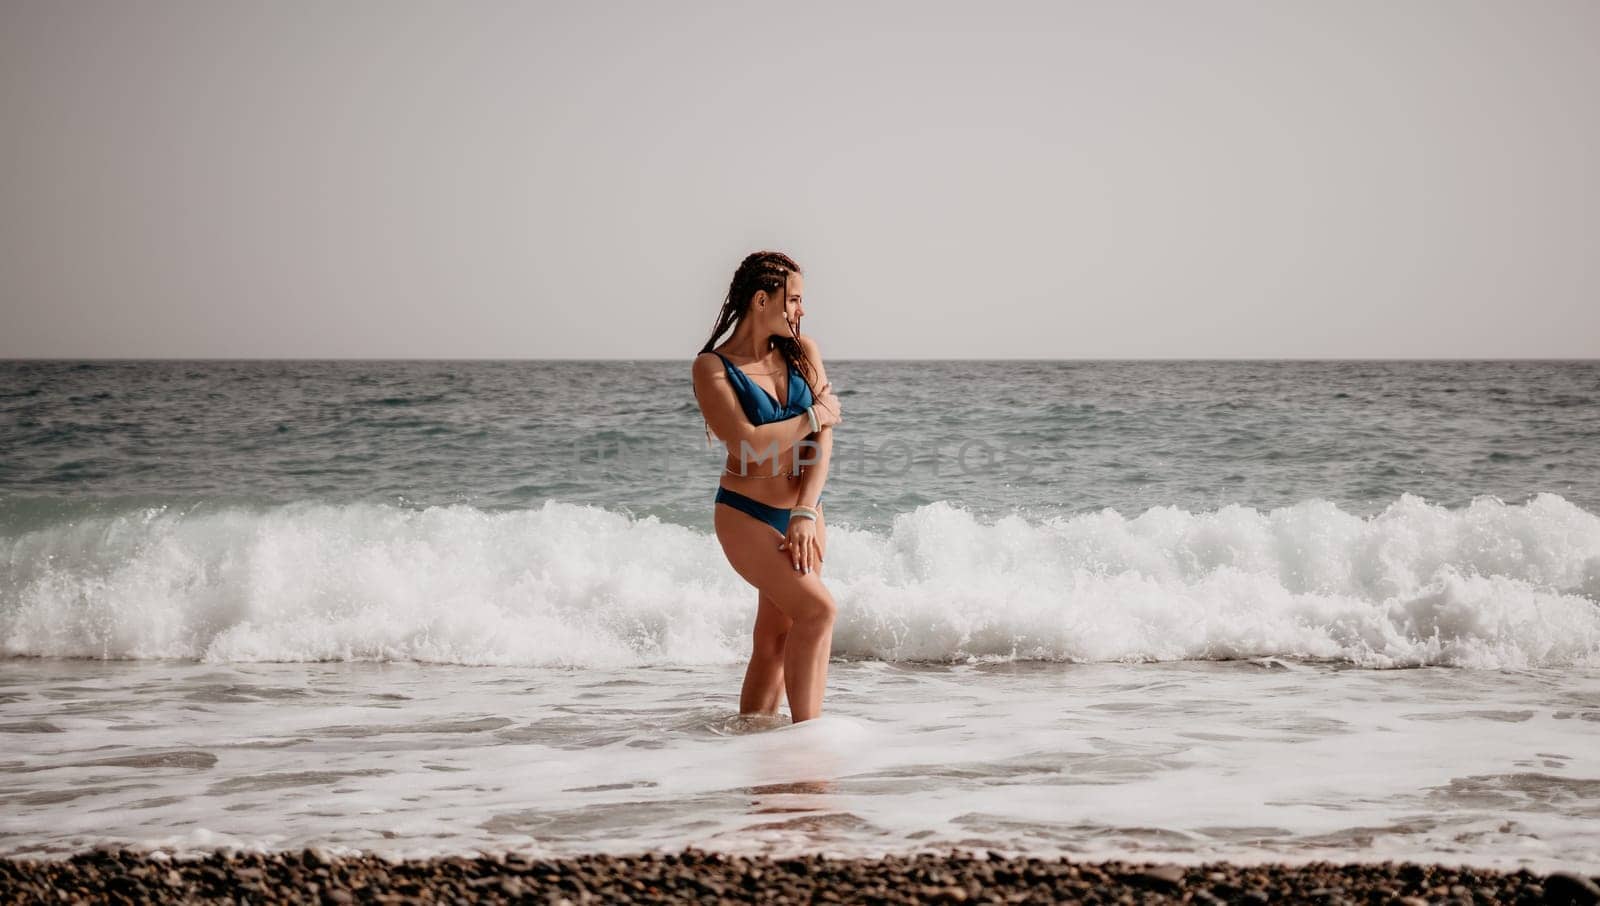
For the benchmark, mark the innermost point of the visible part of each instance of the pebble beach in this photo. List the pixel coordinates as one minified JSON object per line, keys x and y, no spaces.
{"x":693,"y":876}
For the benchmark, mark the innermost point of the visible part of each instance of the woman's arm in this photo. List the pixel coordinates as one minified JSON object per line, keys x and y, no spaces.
{"x":755,"y":444}
{"x":816,"y":474}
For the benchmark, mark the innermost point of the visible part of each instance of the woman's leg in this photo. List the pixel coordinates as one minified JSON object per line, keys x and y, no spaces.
{"x":763,"y":679}
{"x":812,"y":652}
{"x":752,"y":549}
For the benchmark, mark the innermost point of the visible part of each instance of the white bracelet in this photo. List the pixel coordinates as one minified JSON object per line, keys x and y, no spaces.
{"x":803,"y":512}
{"x":811,"y":413}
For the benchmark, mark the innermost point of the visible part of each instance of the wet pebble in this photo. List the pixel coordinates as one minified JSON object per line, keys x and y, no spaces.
{"x":695,"y":876}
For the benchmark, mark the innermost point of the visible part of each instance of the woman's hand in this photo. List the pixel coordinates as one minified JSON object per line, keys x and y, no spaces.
{"x":801,"y":543}
{"x":826,"y":406}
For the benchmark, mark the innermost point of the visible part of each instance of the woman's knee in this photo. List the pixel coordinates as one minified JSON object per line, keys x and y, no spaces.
{"x":815,"y":608}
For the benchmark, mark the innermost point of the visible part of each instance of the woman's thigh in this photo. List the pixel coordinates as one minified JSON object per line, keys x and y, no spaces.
{"x":751,"y":547}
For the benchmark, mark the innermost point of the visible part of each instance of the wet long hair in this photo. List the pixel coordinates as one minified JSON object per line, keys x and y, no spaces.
{"x":761,"y":271}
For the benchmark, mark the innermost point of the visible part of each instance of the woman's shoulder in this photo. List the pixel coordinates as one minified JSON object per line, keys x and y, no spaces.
{"x":813,"y":352}
{"x":708,"y":363}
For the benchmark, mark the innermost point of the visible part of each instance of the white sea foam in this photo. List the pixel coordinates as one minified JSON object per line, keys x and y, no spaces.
{"x":1488,"y":585}
{"x":1190,"y":762}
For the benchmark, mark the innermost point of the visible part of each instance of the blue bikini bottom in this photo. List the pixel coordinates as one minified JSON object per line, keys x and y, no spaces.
{"x":777,"y":517}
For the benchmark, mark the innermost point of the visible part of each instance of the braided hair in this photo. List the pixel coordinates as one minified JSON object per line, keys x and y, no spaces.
{"x":760,"y":271}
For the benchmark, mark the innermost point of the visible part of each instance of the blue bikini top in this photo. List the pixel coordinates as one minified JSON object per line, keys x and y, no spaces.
{"x":760,"y":405}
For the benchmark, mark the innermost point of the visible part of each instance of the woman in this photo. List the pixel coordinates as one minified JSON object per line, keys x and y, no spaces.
{"x":755,"y":391}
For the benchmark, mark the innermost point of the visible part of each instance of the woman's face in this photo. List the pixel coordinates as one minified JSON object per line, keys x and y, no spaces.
{"x":782,"y":316}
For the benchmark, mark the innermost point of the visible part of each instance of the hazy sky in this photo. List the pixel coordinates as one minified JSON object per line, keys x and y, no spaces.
{"x":557,"y":180}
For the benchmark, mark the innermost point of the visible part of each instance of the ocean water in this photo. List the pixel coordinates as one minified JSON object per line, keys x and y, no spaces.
{"x":1183,"y":610}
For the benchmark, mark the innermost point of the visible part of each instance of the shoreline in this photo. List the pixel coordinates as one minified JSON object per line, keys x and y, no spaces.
{"x":110,"y":874}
